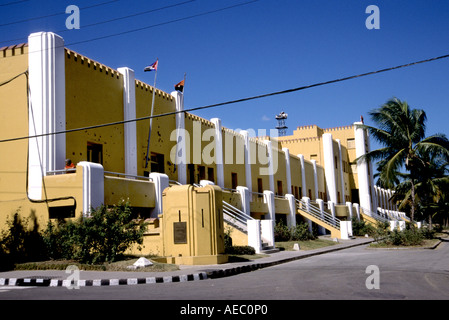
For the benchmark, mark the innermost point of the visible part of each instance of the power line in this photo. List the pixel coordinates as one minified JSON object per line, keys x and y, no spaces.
{"x":113,"y":20}
{"x":12,"y":2}
{"x":223,"y":103}
{"x":159,"y":24}
{"x":53,"y":14}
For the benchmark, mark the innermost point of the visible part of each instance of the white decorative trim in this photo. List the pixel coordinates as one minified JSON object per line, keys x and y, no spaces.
{"x":270,"y":168}
{"x":93,"y":186}
{"x":328,"y":152}
{"x":181,"y":148}
{"x":248,"y":177}
{"x":315,"y":178}
{"x":46,"y":66}
{"x":129,"y":113}
{"x":342,"y":178}
{"x":303,"y":176}
{"x":287,"y":170}
{"x":219,"y":151}
{"x":161,"y":182}
{"x":362,"y":168}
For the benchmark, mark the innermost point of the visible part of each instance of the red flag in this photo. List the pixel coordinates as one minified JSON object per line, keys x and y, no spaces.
{"x":180,"y":86}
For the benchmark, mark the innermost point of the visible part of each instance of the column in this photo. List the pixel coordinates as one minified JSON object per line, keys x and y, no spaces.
{"x":329,"y":169}
{"x":362,"y":168}
{"x":315,"y":178}
{"x":321,"y":206}
{"x":219,"y":151}
{"x":247,"y":151}
{"x":342,"y":178}
{"x":46,"y":66}
{"x":182,"y":149}
{"x":270,"y":165}
{"x":129,"y":113}
{"x":291,"y":219}
{"x":245,"y":196}
{"x":303,"y":176}
{"x":287,"y":170}
{"x":161,"y":182}
{"x":93,"y":186}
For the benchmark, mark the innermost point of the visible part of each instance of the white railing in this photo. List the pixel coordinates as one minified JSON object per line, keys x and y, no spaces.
{"x":258,"y":197}
{"x":125,"y":175}
{"x":174,"y":182}
{"x":235,"y":216}
{"x":62,"y":171}
{"x":375,"y":215}
{"x":323,"y":216}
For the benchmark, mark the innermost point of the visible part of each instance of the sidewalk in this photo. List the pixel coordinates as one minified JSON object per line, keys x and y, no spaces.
{"x":58,"y":278}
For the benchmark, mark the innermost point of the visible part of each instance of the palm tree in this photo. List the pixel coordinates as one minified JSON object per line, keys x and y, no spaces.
{"x":401,"y":132}
{"x":431,"y":188}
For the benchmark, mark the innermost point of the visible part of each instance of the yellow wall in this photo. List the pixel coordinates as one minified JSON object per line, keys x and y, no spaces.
{"x":14,"y":123}
{"x":94,"y":95}
{"x":161,"y":127}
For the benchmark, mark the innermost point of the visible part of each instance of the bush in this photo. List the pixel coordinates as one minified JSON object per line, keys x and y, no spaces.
{"x":19,"y":243}
{"x":298,"y":233}
{"x":102,"y":237}
{"x":281,"y":232}
{"x":361,"y":228}
{"x":240,"y":250}
{"x":406,"y":237}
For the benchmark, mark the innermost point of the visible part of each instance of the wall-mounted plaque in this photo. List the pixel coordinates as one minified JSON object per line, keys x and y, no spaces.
{"x":180,"y":232}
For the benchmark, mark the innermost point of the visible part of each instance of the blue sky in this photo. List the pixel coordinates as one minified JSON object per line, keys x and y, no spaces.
{"x":263,"y":46}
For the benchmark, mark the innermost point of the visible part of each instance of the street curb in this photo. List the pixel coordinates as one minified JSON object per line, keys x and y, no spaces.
{"x":41,"y":282}
{"x":208,"y":274}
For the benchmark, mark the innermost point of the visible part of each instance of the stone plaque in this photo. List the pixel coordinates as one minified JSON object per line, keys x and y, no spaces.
{"x":180,"y":232}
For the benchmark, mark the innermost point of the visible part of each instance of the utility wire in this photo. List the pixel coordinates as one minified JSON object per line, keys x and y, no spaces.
{"x":157,"y":24}
{"x":55,"y":14}
{"x":227,"y":102}
{"x":12,"y":2}
{"x":112,"y":20}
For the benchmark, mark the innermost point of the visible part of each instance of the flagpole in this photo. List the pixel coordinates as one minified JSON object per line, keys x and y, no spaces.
{"x":151,"y":118}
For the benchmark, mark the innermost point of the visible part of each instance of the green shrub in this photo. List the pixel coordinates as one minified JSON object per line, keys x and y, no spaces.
{"x":281,"y":232}
{"x":102,"y":237}
{"x":406,"y":237}
{"x":298,"y":233}
{"x":19,"y":243}
{"x":361,"y":228}
{"x":240,"y":250}
{"x":301,"y":232}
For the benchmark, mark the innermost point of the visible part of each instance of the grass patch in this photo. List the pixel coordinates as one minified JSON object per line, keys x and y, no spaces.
{"x":121,"y":265}
{"x":305,"y":245}
{"x":426,"y":243}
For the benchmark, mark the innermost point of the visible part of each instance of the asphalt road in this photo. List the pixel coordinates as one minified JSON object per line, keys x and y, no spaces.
{"x":355,"y":273}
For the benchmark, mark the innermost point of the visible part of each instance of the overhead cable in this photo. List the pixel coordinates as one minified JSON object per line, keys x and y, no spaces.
{"x":227,"y":102}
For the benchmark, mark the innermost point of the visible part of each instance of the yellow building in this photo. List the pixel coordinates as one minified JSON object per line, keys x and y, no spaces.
{"x":62,"y":105}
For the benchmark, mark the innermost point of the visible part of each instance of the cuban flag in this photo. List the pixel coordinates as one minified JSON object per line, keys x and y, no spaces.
{"x":151,"y":67}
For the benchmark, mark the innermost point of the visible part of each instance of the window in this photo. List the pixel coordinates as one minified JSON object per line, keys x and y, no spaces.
{"x":259,"y":186}
{"x":201,"y":173}
{"x":191,"y":172}
{"x":95,"y":152}
{"x":234,"y":180}
{"x":210,"y":174}
{"x":280,"y":191}
{"x":157,"y":162}
{"x":350,"y":143}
